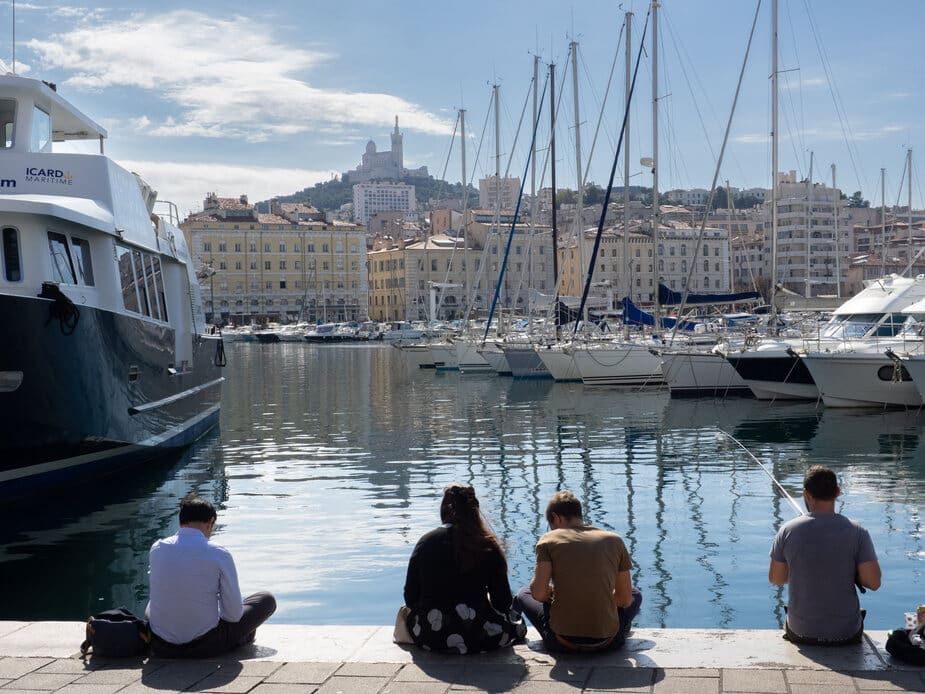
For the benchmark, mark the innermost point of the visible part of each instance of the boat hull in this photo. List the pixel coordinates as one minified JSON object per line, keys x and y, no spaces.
{"x":559,"y":363}
{"x":627,"y":364}
{"x":693,"y":374}
{"x":496,"y":360}
{"x":524,"y":362}
{"x":100,"y":398}
{"x":856,"y":379}
{"x":774,"y":374}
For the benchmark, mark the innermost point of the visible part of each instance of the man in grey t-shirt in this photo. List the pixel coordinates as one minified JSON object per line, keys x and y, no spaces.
{"x":822,"y":555}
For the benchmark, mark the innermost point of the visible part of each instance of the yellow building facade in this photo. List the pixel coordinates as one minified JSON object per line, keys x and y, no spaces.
{"x":264,"y":267}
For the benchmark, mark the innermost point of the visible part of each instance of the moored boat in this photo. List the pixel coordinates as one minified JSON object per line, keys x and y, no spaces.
{"x":112,"y":360}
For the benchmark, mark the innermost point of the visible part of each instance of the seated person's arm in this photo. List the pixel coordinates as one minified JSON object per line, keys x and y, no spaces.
{"x":623,"y":590}
{"x":540,"y":588}
{"x":778,"y":573}
{"x":499,"y":590}
{"x":868,"y":574}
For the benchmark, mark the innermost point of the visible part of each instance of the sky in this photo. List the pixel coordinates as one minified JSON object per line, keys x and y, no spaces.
{"x":235,"y":98}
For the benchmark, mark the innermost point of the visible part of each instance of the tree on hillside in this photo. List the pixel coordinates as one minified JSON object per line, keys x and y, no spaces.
{"x":857,"y":200}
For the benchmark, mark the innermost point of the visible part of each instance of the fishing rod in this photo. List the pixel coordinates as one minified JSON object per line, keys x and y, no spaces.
{"x":780,"y":487}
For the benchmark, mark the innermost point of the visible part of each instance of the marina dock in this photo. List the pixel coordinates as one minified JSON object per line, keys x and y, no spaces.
{"x":43,"y":657}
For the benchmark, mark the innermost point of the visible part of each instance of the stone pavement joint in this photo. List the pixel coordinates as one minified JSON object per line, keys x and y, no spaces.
{"x":41,"y":657}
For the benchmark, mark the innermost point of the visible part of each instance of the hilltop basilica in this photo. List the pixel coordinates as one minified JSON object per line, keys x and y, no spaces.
{"x":384,"y":165}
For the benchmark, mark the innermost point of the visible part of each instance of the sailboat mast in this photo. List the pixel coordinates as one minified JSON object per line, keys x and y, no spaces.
{"x":655,"y":164}
{"x":533,"y":201}
{"x":573,"y":48}
{"x":495,"y":89}
{"x":732,"y":287}
{"x":470,"y":294}
{"x":909,"y":169}
{"x":552,"y":159}
{"x":809,"y":225}
{"x":626,"y":160}
{"x":882,"y":221}
{"x":836,"y":201}
{"x":772,"y":293}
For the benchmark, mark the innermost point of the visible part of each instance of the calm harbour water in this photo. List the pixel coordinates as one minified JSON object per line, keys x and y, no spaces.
{"x":331,"y":460}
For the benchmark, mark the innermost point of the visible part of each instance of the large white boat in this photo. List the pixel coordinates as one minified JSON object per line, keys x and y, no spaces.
{"x":108,"y":359}
{"x":773,"y":370}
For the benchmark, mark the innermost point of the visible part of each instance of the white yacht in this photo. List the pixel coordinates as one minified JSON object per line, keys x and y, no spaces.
{"x":771,"y":366}
{"x":108,"y":359}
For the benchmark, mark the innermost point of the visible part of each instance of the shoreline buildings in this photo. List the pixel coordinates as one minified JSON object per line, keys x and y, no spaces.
{"x":282,"y":266}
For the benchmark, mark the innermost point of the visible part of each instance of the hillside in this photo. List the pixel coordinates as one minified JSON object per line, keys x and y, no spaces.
{"x":330,"y":195}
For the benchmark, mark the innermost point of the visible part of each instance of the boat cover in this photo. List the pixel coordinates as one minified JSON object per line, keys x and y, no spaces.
{"x":668,"y":297}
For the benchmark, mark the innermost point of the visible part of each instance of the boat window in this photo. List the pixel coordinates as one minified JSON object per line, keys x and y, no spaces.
{"x":82,"y":261}
{"x":142,"y":286}
{"x":127,"y":276}
{"x":12,"y":270}
{"x":61,"y":266}
{"x":159,"y":282}
{"x":151,"y":285}
{"x":40,"y":140}
{"x":7,"y":121}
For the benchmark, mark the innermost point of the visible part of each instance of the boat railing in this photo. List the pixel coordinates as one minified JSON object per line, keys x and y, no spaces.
{"x":171,"y":212}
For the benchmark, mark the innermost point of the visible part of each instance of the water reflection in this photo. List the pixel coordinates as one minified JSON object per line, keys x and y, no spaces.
{"x":331,"y":460}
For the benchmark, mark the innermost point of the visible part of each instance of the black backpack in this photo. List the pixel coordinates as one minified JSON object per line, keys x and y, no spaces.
{"x":116,"y":634}
{"x":900,"y":647}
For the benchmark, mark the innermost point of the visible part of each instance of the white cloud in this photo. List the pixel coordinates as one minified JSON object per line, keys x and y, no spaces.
{"x":187,"y":184}
{"x":235,"y":80}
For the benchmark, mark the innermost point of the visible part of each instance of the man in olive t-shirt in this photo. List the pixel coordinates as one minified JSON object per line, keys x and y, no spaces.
{"x":581,"y":597}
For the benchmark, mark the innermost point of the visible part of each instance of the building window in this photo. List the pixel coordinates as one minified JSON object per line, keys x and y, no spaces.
{"x":282,"y":284}
{"x":222,"y":265}
{"x":253,"y":246}
{"x":207,"y":246}
{"x":266,"y":264}
{"x":266,"y":248}
{"x":282,"y":248}
{"x":237,"y":265}
{"x":282,"y":264}
{"x":237,"y":248}
{"x":311,"y":248}
{"x":222,"y":247}
{"x":324,"y":248}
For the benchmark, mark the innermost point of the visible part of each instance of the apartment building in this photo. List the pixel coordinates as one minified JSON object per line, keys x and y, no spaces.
{"x":623,"y":267}
{"x":403,"y":273}
{"x":808,"y":259}
{"x":705,"y":262}
{"x":267,"y":267}
{"x":508,"y":188}
{"x":370,"y":198}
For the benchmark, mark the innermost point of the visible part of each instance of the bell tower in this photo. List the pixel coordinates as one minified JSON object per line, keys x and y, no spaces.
{"x":397,"y":155}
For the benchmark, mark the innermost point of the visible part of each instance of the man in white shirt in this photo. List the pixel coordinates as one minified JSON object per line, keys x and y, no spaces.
{"x":195,"y":607}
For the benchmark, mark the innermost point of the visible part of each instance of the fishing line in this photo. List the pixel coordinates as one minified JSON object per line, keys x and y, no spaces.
{"x":780,"y":487}
{"x":800,"y":512}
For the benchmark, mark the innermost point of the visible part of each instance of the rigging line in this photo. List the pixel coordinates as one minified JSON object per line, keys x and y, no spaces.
{"x":510,"y":237}
{"x":777,"y":484}
{"x":799,"y":114}
{"x":719,"y":164}
{"x":899,"y":188}
{"x":613,"y":173}
{"x":473,"y":290}
{"x":603,"y":104}
{"x":683,"y":60}
{"x":478,"y":152}
{"x":853,"y":152}
{"x":446,"y":161}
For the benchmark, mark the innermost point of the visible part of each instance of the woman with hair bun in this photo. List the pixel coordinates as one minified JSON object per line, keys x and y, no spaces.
{"x":457,"y":588}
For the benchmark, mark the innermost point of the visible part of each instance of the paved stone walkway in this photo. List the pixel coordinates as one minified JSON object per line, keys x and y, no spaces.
{"x":41,"y":657}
